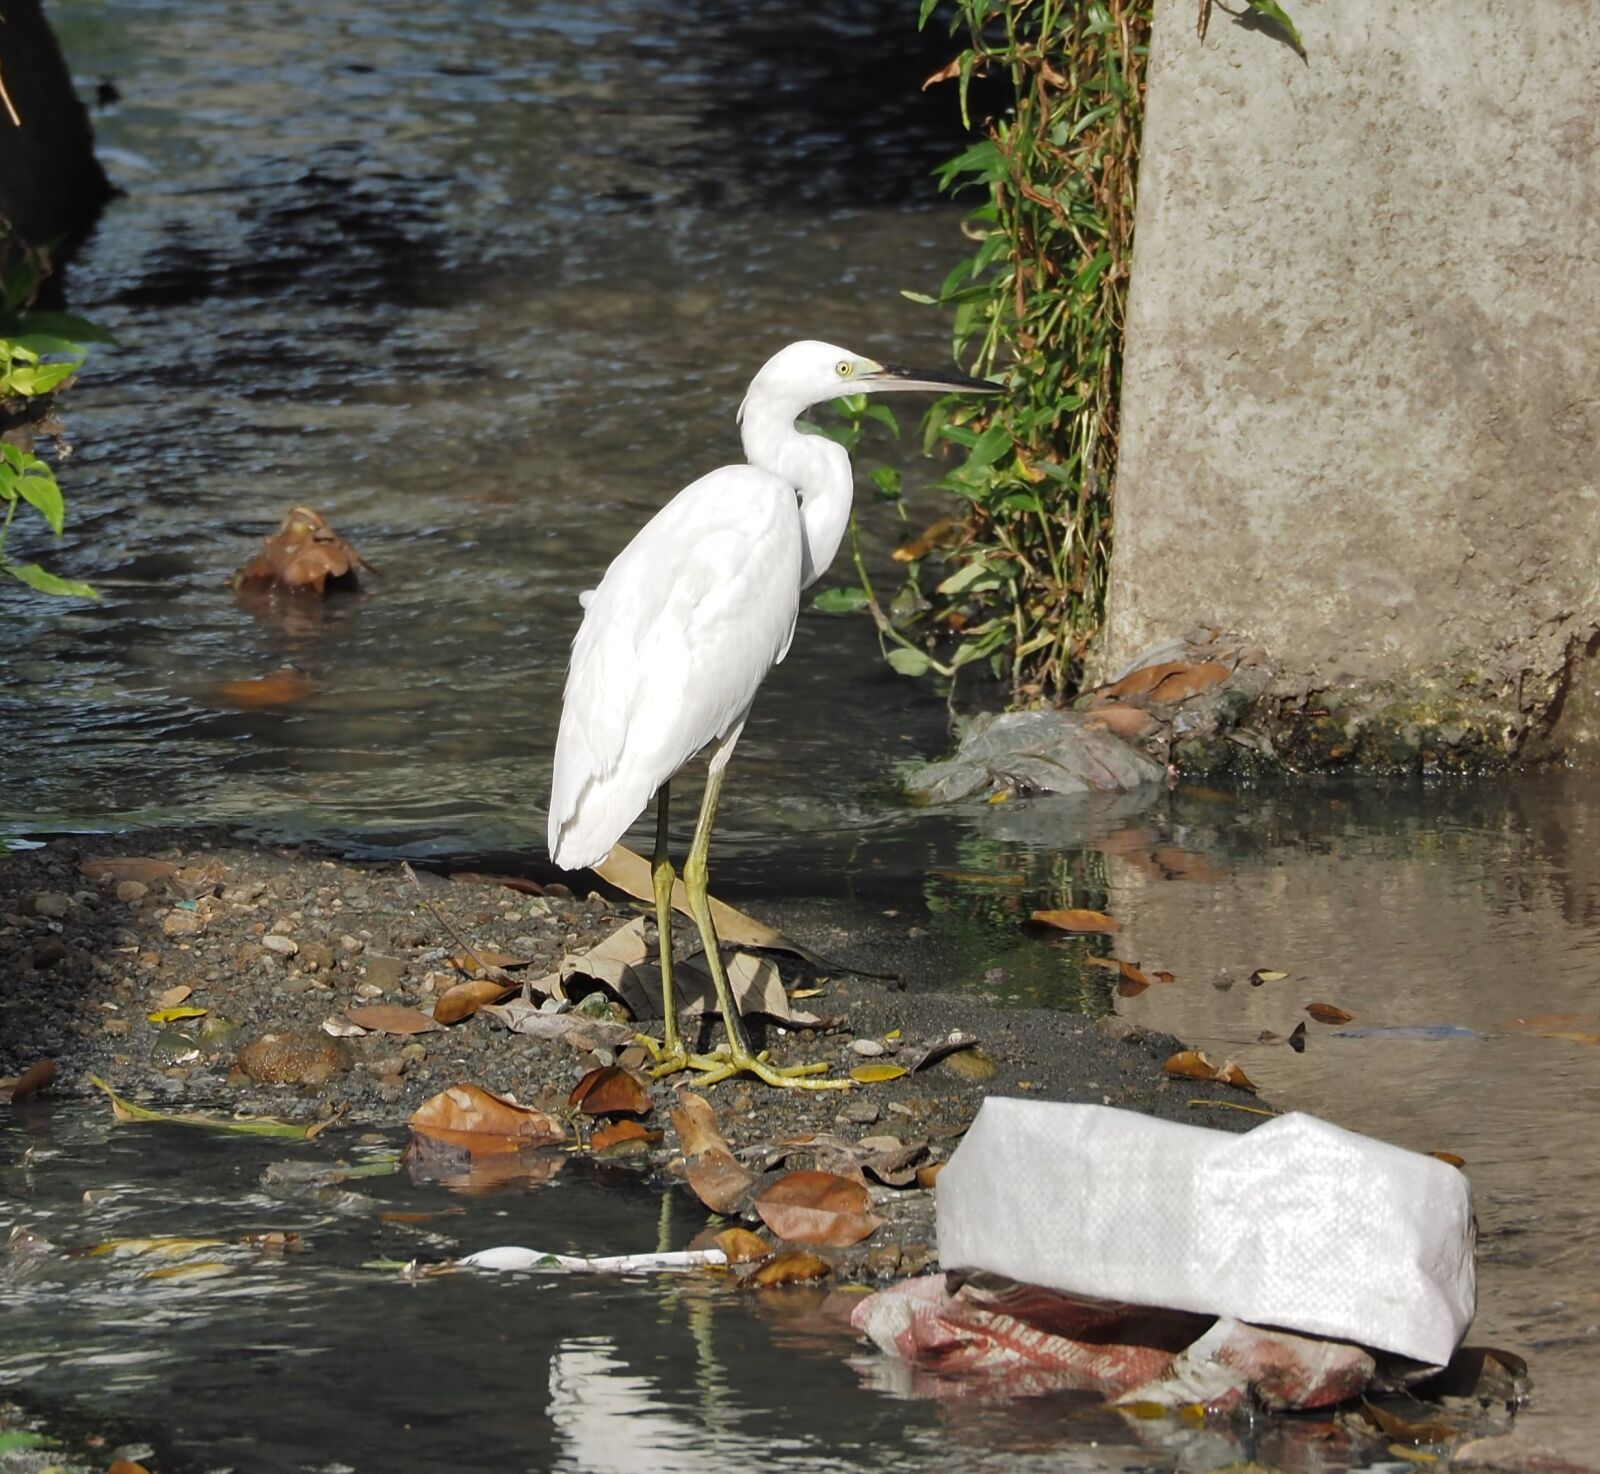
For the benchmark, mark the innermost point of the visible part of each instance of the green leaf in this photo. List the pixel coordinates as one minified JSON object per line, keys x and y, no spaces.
{"x":883,"y":415}
{"x":12,"y":1439}
{"x":887,"y":480}
{"x":965,"y":577}
{"x":42,"y":493}
{"x":67,"y":325}
{"x":840,"y":601}
{"x":928,"y":7}
{"x":920,"y":297}
{"x":907,"y":661}
{"x":1274,"y":12}
{"x":47,"y":583}
{"x":45,"y":345}
{"x":989,"y":447}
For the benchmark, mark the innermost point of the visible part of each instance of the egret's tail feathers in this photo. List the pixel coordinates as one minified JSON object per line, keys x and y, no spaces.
{"x":584,"y":826}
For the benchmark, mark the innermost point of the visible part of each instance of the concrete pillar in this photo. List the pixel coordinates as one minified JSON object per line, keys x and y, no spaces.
{"x":1362,"y":382}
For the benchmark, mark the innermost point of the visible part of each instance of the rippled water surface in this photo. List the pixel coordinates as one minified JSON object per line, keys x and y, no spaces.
{"x":484,"y":283}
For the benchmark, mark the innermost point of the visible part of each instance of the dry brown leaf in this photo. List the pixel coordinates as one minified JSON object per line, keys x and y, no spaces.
{"x":1190,"y":1064}
{"x":695,"y":1121}
{"x":173,"y":996}
{"x":611,"y":1091}
{"x":791,"y":1267}
{"x":127,"y":1466}
{"x":1267,"y":975}
{"x":510,"y":882}
{"x":1121,"y":721}
{"x":1181,"y":685}
{"x":465,"y":999}
{"x":33,"y":1079}
{"x":392,"y":1018}
{"x":928,"y":1175}
{"x":818,"y":1208}
{"x":617,"y":965}
{"x":941,"y":534}
{"x":1230,"y":1074}
{"x":1077,"y":920}
{"x":945,"y":73}
{"x":1450,"y":1158}
{"x":146,"y":872}
{"x":481,"y":958}
{"x":741,"y":1246}
{"x":630,"y":872}
{"x":1328,"y":1013}
{"x":469,"y":1117}
{"x":303,"y":555}
{"x":1297,"y":1039}
{"x":1164,"y":977}
{"x":1138,"y":682}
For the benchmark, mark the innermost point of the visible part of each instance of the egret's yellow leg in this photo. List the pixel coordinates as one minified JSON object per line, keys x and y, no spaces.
{"x":736,"y":1057}
{"x":669,"y":1055}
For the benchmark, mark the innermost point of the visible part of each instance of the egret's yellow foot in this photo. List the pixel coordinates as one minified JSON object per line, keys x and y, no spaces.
{"x":724,"y":1063}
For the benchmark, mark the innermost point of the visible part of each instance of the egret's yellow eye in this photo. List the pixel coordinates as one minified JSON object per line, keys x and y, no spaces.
{"x":844,"y":368}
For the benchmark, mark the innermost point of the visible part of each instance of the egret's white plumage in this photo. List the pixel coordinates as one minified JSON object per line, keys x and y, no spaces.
{"x":680,"y":634}
{"x":682,"y":630}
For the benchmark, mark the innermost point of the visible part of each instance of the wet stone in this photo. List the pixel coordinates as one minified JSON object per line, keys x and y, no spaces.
{"x":282,"y":945}
{"x":385,"y":972}
{"x":316,"y":956}
{"x":51,"y":904}
{"x":48,"y":951}
{"x":131,"y":892}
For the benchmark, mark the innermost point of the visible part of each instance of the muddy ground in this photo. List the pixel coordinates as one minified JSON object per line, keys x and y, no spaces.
{"x":278,"y":941}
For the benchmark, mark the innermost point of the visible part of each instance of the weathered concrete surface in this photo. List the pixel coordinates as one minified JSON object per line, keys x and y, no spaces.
{"x":1361,"y":407}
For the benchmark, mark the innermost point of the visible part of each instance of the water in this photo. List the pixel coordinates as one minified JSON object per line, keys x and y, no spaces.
{"x":484,"y":284}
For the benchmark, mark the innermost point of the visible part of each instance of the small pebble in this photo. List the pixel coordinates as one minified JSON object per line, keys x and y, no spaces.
{"x":131,"y":892}
{"x":276,"y":942}
{"x":178,"y":923}
{"x":870,"y":1048}
{"x":49,"y":903}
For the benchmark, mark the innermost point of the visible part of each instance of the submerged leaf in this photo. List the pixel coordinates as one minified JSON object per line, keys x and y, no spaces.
{"x":125,"y":1111}
{"x":791,"y":1267}
{"x":1077,"y":920}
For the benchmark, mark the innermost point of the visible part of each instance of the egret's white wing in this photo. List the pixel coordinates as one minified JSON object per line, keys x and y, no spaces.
{"x":680,"y":633}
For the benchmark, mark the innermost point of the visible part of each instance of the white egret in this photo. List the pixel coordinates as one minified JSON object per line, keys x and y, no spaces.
{"x":681,"y":632}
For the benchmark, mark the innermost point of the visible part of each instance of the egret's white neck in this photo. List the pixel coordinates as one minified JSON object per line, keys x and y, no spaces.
{"x":818,"y":469}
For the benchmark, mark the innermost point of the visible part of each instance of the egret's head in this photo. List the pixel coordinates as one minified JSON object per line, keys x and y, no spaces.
{"x":808,"y":373}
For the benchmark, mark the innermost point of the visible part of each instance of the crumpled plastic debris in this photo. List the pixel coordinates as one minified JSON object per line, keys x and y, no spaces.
{"x":510,"y":1258}
{"x":1023,"y":1339}
{"x":1297,"y":1223}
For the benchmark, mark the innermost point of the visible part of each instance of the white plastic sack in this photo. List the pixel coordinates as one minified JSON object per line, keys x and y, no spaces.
{"x":1296,"y":1224}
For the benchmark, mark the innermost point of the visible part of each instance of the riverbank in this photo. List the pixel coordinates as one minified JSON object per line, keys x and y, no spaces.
{"x":193,"y":971}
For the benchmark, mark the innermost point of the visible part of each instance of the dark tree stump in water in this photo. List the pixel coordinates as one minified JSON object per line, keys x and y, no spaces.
{"x":51,"y":185}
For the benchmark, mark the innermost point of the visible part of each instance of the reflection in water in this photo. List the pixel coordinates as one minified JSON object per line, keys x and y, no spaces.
{"x":1473,"y":906}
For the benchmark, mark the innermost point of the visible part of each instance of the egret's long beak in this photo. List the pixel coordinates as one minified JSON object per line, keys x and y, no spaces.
{"x":889,"y":376}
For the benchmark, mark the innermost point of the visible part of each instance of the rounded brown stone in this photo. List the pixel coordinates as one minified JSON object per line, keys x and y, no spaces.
{"x":294,"y":1057}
